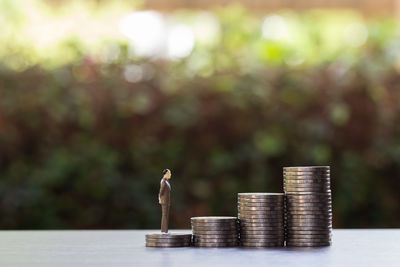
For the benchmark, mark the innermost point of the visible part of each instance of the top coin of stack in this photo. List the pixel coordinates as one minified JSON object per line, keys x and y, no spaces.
{"x":216,"y":231}
{"x":166,"y":240}
{"x":261,"y":219}
{"x":308,"y":206}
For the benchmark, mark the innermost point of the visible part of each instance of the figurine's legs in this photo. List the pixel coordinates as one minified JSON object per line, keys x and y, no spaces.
{"x":164,"y":218}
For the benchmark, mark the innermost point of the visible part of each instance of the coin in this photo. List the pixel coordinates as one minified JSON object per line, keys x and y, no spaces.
{"x":158,"y":245}
{"x":260,"y":194}
{"x":307,"y":172}
{"x":293,"y":207}
{"x":262,"y":239}
{"x":273,"y":213}
{"x":308,"y":204}
{"x":314,"y":174}
{"x":213,"y":219}
{"x":306,"y":179}
{"x":308,"y":239}
{"x":262,"y":214}
{"x":282,"y":240}
{"x":260,"y":202}
{"x":247,"y":241}
{"x":260,"y":208}
{"x":261,"y":232}
{"x":291,"y":190}
{"x":321,"y":187}
{"x":167,"y":242}
{"x":294,"y":219}
{"x":219,"y":241}
{"x":206,"y":230}
{"x":222,"y":224}
{"x":262,"y":244}
{"x":307,"y":183}
{"x":263,"y":225}
{"x":215,"y":245}
{"x":221,"y":236}
{"x":307,"y":168}
{"x":308,"y":232}
{"x":303,"y":219}
{"x":168,"y":235}
{"x":260,"y":228}
{"x":215,"y":225}
{"x":212,"y":232}
{"x":307,"y":244}
{"x":290,"y":223}
{"x":319,"y":174}
{"x":299,"y":200}
{"x":265,"y":206}
{"x":313,"y":235}
{"x":315,"y":210}
{"x":168,"y":239}
{"x":305,"y":195}
{"x":260,"y":218}
{"x":310,"y":196}
{"x":262,"y":197}
{"x":306,"y":208}
{"x":308,"y":228}
{"x":305,"y":190}
{"x":291,"y":214}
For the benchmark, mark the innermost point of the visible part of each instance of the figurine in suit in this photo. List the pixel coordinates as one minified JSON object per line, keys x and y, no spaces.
{"x":164,"y":199}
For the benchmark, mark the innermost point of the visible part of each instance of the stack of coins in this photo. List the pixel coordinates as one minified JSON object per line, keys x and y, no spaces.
{"x":215,"y":231}
{"x":308,"y":206}
{"x":261,"y":219}
{"x":168,"y":240}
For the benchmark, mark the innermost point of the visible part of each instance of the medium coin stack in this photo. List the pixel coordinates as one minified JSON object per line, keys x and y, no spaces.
{"x":308,"y":206}
{"x":168,"y":240}
{"x":215,"y":231}
{"x":261,"y":219}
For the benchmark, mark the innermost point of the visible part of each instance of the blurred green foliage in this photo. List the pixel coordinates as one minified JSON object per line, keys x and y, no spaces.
{"x":83,"y":148}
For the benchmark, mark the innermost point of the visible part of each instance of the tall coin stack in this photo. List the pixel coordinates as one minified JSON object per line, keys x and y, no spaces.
{"x":308,"y":206}
{"x":261,"y":219}
{"x":215,"y":231}
{"x":166,"y":240}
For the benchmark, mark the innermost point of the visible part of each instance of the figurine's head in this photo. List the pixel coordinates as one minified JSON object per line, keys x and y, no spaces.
{"x":167,"y":174}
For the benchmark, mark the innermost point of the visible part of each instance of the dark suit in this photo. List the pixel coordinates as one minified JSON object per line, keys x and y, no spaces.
{"x":164,"y":197}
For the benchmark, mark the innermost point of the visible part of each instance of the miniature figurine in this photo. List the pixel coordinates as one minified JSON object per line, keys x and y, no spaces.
{"x":164,"y":199}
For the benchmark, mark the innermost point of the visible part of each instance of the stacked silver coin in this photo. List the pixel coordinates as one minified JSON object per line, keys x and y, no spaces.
{"x":308,"y":206}
{"x":261,"y":219}
{"x":215,"y":231}
{"x":165,"y":240}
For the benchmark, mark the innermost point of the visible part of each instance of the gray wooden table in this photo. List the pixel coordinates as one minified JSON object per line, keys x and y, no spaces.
{"x":126,"y":248}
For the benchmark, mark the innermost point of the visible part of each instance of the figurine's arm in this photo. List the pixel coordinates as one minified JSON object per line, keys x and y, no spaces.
{"x":162,"y":190}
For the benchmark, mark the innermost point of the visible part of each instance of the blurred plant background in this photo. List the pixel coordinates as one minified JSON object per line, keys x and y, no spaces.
{"x":97,"y":97}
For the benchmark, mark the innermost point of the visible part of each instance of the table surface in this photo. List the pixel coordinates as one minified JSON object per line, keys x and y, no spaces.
{"x":372,"y":247}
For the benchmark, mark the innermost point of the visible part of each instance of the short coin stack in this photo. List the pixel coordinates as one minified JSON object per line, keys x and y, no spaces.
{"x":168,"y":240}
{"x":215,"y":231}
{"x":308,"y":206}
{"x":261,"y":219}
